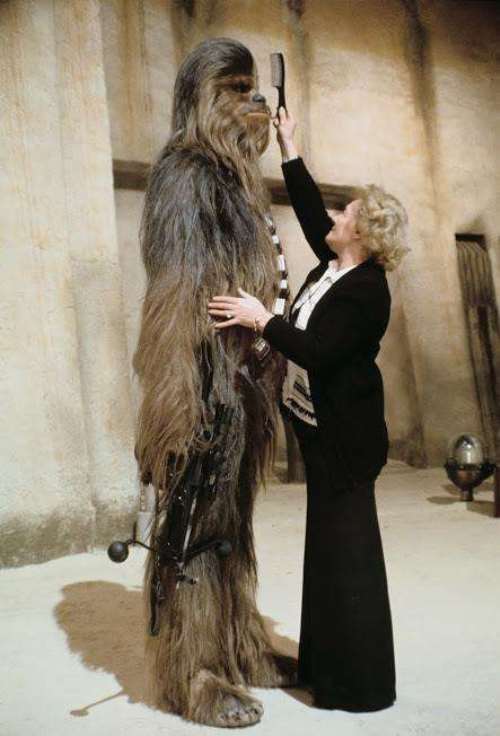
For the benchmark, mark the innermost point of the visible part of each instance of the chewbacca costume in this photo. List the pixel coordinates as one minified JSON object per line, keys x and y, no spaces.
{"x":204,"y":232}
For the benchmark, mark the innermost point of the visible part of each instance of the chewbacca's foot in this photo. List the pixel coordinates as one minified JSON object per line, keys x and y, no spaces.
{"x":275,"y":670}
{"x":217,"y":703}
{"x":240,"y":710}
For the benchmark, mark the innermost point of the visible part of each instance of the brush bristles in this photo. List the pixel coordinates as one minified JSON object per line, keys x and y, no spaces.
{"x":277,"y":70}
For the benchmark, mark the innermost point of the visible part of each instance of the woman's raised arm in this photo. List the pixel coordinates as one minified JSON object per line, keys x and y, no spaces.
{"x":305,"y":196}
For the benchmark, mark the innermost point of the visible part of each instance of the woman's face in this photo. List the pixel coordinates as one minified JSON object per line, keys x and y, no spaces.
{"x":345,"y":232}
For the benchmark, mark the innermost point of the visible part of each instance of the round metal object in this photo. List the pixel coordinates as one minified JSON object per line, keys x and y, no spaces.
{"x":466,"y":465}
{"x":118,"y":551}
{"x":466,"y":449}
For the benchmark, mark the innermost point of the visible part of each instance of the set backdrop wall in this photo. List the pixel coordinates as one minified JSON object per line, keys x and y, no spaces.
{"x":397,"y":92}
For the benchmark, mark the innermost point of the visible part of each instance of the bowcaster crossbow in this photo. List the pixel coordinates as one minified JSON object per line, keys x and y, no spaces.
{"x":171,"y":546}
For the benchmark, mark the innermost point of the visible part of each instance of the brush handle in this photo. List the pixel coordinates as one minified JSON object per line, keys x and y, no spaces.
{"x":281,"y":99}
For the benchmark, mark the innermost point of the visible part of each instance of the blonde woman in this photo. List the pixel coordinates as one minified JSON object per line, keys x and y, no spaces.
{"x":334,"y":396}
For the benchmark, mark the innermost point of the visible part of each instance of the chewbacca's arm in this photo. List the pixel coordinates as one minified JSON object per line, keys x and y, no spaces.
{"x":308,"y":205}
{"x":199,"y":238}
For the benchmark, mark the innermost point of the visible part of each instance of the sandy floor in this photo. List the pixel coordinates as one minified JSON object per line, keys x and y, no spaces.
{"x":71,"y":654}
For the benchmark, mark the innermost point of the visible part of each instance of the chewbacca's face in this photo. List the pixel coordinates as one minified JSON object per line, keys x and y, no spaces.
{"x":217,"y":103}
{"x":241,"y":94}
{"x":238,"y":99}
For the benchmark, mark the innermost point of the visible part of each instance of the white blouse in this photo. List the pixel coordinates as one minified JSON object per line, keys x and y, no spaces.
{"x":296,"y":394}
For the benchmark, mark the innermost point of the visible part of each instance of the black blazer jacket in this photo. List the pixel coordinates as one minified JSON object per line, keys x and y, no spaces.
{"x":339,"y":346}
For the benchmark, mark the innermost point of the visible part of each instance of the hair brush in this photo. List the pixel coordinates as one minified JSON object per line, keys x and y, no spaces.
{"x":278,"y":78}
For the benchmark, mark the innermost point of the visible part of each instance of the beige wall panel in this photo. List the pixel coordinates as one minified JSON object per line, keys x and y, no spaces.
{"x":129,"y":206}
{"x":162,"y":69}
{"x":45,"y":494}
{"x":402,"y":412}
{"x":127,"y":79}
{"x":140,"y":63}
{"x":466,"y":95}
{"x":70,"y":478}
{"x":97,"y":278}
{"x":467,"y":60}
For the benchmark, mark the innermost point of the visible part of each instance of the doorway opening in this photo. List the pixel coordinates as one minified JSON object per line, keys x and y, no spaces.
{"x":481,"y":315}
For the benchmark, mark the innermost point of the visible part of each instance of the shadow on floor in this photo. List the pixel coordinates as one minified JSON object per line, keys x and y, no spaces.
{"x":290,"y":647}
{"x":478,"y":506}
{"x":104,"y":624}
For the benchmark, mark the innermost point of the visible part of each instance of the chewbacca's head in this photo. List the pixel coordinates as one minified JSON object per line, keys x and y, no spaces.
{"x":216,"y":103}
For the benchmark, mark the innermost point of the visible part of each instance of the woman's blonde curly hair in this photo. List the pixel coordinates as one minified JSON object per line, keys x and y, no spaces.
{"x":382,"y":222}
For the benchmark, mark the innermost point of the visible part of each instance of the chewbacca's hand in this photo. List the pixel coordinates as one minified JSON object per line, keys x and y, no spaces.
{"x":246,"y":311}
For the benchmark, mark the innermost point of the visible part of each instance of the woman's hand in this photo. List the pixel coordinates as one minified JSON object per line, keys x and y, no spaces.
{"x":285,"y":126}
{"x":246,"y":311}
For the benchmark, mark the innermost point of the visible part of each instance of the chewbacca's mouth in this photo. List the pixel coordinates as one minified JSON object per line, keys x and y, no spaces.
{"x":263,"y":112}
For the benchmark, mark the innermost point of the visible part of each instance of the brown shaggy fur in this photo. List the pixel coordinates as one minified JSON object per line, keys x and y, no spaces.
{"x":203,"y":233}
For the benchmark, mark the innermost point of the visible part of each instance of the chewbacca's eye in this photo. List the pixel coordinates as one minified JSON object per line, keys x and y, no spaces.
{"x":242,"y":88}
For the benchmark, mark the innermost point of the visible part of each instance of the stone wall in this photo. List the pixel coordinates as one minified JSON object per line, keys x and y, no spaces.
{"x":397,"y":92}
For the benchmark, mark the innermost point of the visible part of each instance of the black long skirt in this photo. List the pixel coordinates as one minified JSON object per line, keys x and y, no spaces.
{"x":346,"y":651}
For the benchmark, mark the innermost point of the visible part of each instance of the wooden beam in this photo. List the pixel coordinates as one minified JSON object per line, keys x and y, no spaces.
{"x":130,"y":174}
{"x":134,"y":174}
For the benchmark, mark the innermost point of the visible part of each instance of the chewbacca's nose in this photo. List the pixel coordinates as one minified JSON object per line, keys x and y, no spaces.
{"x":259,"y":98}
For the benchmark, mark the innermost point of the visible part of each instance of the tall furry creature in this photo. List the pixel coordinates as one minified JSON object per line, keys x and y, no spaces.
{"x":203,"y":232}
